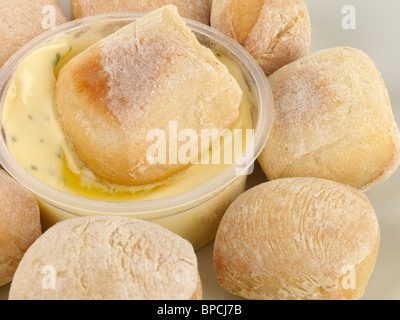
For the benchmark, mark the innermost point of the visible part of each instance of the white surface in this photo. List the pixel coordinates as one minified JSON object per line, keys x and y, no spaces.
{"x":376,"y":34}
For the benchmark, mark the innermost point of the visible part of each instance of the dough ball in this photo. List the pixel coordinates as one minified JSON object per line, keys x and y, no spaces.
{"x":107,"y":258}
{"x":297,"y":238}
{"x":110,"y":113}
{"x":333,"y":120}
{"x":199,"y":10}
{"x":19,"y":225}
{"x":274,"y":32}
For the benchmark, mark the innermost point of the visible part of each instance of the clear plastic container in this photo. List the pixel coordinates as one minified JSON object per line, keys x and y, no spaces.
{"x":194,"y":214}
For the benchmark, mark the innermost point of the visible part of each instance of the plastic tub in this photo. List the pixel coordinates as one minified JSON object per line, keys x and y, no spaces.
{"x":194,"y":214}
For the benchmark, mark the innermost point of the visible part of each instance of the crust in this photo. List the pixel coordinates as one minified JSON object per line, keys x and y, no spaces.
{"x":198,"y":295}
{"x":107,"y":111}
{"x":19,"y":225}
{"x":294,"y":239}
{"x":362,"y":272}
{"x":109,"y":258}
{"x":333,"y":120}
{"x":198,"y":10}
{"x":21,"y":21}
{"x":275,"y":32}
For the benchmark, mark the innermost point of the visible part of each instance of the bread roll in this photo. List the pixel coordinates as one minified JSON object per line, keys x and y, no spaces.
{"x":333,"y":120}
{"x":143,"y":77}
{"x":107,"y":258}
{"x":21,"y":21}
{"x":198,"y":10}
{"x":275,"y":32}
{"x":19,"y":225}
{"x":297,"y":238}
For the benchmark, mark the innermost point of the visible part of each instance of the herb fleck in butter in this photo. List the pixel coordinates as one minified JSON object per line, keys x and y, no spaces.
{"x":57,"y":59}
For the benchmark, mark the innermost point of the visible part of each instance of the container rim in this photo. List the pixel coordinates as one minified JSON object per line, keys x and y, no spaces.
{"x":190,"y":198}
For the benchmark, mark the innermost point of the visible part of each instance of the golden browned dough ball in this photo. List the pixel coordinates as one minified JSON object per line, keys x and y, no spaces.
{"x":107,"y":111}
{"x":298,"y":238}
{"x":274,"y":32}
{"x":108,"y":258}
{"x":333,"y":120}
{"x":198,"y":10}
{"x":19,"y":225}
{"x":21,"y":21}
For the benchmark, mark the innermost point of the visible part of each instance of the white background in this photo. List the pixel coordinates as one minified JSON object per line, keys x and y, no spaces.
{"x":377,"y":34}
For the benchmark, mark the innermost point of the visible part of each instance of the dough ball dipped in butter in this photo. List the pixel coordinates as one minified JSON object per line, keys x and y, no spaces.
{"x":108,"y":258}
{"x":298,"y":239}
{"x":333,"y":120}
{"x":142,"y":78}
{"x":21,"y":21}
{"x":19,"y":225}
{"x":274,"y":32}
{"x":199,"y":10}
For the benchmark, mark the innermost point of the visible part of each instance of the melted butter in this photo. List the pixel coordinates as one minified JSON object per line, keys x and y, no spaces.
{"x":38,"y":144}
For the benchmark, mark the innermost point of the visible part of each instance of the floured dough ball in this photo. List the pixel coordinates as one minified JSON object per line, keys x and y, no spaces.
{"x":298,"y":238}
{"x":333,"y":120}
{"x":199,"y":10}
{"x":107,"y":258}
{"x":19,"y":225}
{"x":113,"y":97}
{"x":21,"y":21}
{"x":274,"y":32}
